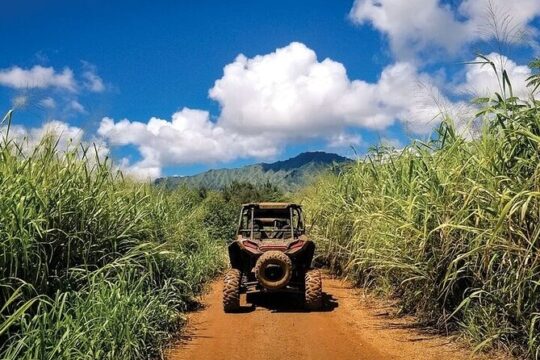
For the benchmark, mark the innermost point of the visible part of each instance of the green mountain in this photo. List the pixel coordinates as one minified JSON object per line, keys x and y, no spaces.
{"x":287,"y":174}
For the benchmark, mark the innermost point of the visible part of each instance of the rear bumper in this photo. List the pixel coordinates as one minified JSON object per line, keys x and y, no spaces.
{"x":251,"y":287}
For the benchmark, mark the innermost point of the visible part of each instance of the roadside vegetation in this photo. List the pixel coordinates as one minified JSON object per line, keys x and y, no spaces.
{"x":450,"y":227}
{"x":93,"y":266}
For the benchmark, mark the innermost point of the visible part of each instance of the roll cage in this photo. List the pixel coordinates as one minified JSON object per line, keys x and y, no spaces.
{"x":262,"y":221}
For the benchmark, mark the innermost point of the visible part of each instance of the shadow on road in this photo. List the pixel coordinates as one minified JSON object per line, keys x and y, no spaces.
{"x":285,"y":302}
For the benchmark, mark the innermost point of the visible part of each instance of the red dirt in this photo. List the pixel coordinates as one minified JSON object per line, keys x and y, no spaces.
{"x":350,"y":327}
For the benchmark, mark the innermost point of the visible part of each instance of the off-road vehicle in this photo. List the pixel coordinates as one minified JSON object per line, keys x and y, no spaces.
{"x":271,"y":254}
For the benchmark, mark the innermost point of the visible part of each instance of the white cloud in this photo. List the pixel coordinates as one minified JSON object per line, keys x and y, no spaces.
{"x":482,"y":81}
{"x":429,"y":111}
{"x":344,"y":140}
{"x":287,"y":91}
{"x":509,"y":21}
{"x":66,"y":136}
{"x":92,"y":81}
{"x":76,"y":106}
{"x":38,"y":77}
{"x":65,"y":132}
{"x":48,"y":102}
{"x":30,"y":137}
{"x":417,"y":26}
{"x":47,"y":77}
{"x":391,"y":143}
{"x":140,"y":170}
{"x":290,"y":94}
{"x":412,"y":25}
{"x":275,"y":99}
{"x":68,"y":87}
{"x":189,"y":137}
{"x":19,"y":101}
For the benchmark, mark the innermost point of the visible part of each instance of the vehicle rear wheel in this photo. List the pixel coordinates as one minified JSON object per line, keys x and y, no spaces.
{"x":231,"y":290}
{"x":313,"y":290}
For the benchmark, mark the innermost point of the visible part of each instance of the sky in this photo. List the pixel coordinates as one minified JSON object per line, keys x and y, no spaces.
{"x":178,"y":87}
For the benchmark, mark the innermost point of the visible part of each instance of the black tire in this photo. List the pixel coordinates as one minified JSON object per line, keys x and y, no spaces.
{"x":231,"y":290}
{"x":275,"y":258}
{"x":313,"y":290}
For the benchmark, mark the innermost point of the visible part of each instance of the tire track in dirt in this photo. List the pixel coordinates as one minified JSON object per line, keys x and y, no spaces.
{"x":349,"y":327}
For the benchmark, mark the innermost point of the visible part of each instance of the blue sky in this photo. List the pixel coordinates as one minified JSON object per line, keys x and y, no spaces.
{"x":101,"y":70}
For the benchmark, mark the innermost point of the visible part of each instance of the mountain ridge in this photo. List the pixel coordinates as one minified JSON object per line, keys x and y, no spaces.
{"x":287,"y":174}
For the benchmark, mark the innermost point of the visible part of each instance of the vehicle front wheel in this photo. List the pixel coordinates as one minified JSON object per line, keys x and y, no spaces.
{"x":313,"y":290}
{"x":231,"y":290}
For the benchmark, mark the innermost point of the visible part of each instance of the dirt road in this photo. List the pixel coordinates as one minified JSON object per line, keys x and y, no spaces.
{"x":349,"y":327}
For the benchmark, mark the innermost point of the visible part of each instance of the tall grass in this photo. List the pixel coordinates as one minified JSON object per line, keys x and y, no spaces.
{"x":450,"y":226}
{"x":93,"y":265}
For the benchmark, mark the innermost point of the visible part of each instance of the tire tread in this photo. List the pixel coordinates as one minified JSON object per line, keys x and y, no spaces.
{"x":313,"y":290}
{"x":231,"y":290}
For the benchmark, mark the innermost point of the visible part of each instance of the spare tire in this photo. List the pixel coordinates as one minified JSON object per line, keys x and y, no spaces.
{"x":273,"y":270}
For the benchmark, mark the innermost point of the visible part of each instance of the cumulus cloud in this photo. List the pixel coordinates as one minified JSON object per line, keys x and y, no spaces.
{"x":38,"y":77}
{"x":290,"y":95}
{"x":189,"y":137}
{"x":266,"y":102}
{"x":507,"y":21}
{"x":412,"y":25}
{"x":288,"y":90}
{"x":481,"y":80}
{"x":418,"y":26}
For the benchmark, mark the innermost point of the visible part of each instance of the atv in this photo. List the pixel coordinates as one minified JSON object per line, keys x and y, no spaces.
{"x":271,"y":253}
